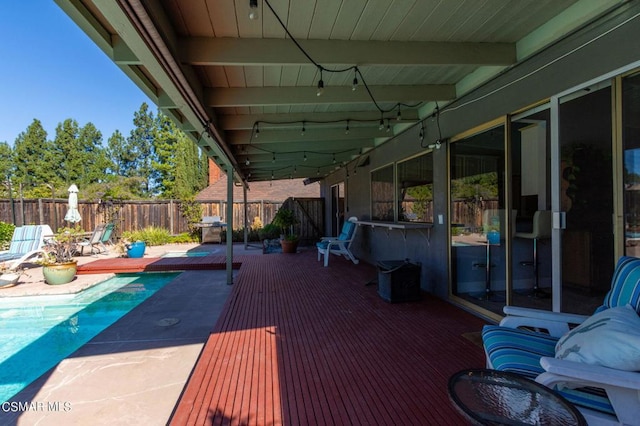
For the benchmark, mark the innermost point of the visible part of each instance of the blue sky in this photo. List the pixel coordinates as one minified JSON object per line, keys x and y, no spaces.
{"x":51,"y":70}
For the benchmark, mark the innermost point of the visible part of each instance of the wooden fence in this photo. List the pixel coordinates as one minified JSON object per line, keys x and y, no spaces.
{"x":134,"y":215}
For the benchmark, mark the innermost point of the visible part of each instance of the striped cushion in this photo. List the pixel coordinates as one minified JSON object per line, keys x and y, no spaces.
{"x":25,"y":239}
{"x":519,"y":351}
{"x":625,"y":285}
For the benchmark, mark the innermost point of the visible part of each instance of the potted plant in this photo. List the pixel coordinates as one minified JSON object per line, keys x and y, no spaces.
{"x":134,"y":249}
{"x":285,"y":219}
{"x":58,"y":264}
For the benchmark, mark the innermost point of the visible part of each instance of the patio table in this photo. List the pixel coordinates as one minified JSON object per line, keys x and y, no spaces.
{"x":491,"y":397}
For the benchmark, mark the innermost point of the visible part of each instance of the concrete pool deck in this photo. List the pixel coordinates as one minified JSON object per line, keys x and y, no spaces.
{"x":135,"y":370}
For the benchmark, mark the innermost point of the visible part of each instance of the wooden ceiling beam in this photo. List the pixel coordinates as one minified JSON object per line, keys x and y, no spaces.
{"x":264,"y":96}
{"x":210,"y":51}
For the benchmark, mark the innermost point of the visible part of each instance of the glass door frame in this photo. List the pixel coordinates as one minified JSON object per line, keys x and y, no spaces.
{"x":614,"y":79}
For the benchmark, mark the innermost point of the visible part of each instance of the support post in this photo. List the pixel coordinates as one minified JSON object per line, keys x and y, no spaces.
{"x":246,"y":217}
{"x":229,"y":221}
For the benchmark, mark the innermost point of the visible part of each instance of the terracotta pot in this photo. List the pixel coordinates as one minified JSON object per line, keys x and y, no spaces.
{"x":60,"y":273}
{"x":289,"y":246}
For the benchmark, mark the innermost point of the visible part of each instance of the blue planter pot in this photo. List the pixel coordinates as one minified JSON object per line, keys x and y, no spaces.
{"x":136,"y":249}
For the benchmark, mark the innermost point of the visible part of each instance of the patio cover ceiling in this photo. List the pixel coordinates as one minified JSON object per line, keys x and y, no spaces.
{"x":247,"y":94}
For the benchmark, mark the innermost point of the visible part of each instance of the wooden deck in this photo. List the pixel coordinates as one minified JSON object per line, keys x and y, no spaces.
{"x":156,"y":264}
{"x":301,"y":344}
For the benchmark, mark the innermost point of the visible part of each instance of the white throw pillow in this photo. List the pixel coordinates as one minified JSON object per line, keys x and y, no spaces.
{"x":610,"y":338}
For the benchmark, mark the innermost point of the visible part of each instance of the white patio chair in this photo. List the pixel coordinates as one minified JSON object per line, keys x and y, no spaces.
{"x":27,"y":242}
{"x":339,"y":245}
{"x":534,"y":343}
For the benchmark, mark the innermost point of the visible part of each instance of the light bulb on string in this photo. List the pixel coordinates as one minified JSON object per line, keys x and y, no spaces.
{"x":303,"y":129}
{"x":346,"y":130}
{"x":354,"y":85}
{"x":253,"y":10}
{"x":320,"y":85}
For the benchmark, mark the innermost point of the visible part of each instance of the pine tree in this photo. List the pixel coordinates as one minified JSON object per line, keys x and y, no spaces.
{"x":33,"y":158}
{"x":140,"y":144}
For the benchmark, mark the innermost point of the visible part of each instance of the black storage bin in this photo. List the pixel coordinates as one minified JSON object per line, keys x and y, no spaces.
{"x":398,"y":280}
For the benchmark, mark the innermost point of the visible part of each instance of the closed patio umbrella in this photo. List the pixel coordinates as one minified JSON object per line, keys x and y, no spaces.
{"x":73,"y":215}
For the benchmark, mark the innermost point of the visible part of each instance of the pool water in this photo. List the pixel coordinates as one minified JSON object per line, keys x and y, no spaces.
{"x":37,"y":332}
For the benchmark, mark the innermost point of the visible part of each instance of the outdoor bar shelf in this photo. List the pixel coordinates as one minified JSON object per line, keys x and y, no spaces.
{"x":404,"y":227}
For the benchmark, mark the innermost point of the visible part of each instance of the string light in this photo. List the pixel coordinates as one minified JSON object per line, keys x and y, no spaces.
{"x":305,"y":157}
{"x":273,"y":159}
{"x":321,"y":68}
{"x":320,"y":85}
{"x":381,"y":125}
{"x":388,"y":126}
{"x":346,"y":130}
{"x":247,"y":162}
{"x":253,"y":10}
{"x":303,"y":129}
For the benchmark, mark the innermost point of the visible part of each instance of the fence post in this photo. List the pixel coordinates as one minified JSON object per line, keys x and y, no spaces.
{"x":171,"y":217}
{"x":40,"y":211}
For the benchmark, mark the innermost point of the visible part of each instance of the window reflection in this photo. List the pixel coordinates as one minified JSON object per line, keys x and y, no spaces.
{"x":478,"y":220}
{"x":415,"y":189}
{"x":382,"y":189}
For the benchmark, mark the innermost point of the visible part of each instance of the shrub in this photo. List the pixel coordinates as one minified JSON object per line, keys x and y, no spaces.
{"x":238,"y":235}
{"x":269,"y":232}
{"x":185,"y":237}
{"x":6,"y":233}
{"x":151,"y":235}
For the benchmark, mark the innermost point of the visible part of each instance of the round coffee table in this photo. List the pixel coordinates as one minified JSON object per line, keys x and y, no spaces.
{"x":491,"y":397}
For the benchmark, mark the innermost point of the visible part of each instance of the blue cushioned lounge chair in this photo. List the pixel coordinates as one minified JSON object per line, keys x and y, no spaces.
{"x":26,"y":242}
{"x":339,"y":245}
{"x":525,"y":343}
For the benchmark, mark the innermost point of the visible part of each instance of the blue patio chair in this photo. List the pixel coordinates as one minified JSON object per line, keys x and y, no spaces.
{"x":339,"y":245}
{"x":593,"y":361}
{"x":106,"y":236}
{"x":27,"y":242}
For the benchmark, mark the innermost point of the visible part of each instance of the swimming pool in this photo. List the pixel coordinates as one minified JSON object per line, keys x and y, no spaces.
{"x":37,"y":332}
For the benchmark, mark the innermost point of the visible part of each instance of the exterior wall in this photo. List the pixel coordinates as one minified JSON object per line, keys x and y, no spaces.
{"x":594,"y":51}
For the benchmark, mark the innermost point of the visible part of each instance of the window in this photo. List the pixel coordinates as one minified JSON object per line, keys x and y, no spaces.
{"x":382,"y":199}
{"x":415,"y":189}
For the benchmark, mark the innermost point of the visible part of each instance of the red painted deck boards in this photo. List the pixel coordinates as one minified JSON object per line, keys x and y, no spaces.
{"x":298,"y":343}
{"x":156,"y":264}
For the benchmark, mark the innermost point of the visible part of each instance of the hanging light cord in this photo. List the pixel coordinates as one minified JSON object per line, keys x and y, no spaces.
{"x":339,"y":70}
